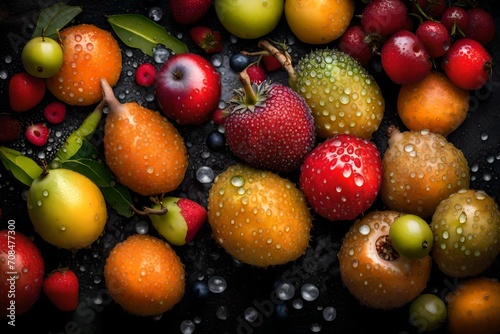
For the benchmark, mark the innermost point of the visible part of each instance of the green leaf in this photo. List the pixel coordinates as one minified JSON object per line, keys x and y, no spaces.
{"x":115,"y":194}
{"x":54,"y":18}
{"x":140,"y":32}
{"x":24,"y":169}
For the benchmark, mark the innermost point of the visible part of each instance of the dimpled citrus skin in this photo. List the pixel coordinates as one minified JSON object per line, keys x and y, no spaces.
{"x":258,"y":217}
{"x":90,"y":53}
{"x":342,"y":95}
{"x":421,"y":169}
{"x":466,"y":228}
{"x":144,"y":275}
{"x":144,"y":150}
{"x":66,"y":208}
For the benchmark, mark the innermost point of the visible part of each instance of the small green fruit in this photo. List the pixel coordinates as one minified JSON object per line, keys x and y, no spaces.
{"x":428,"y":312}
{"x":411,"y":236}
{"x":42,"y":57}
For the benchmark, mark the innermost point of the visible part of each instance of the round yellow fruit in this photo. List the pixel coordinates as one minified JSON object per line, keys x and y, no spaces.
{"x":66,"y":208}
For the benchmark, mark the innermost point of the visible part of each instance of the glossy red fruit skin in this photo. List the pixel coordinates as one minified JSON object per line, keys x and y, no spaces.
{"x":481,"y":25}
{"x":25,"y":91}
{"x":256,"y":72}
{"x":194,"y":214}
{"x":433,"y":8}
{"x":25,"y":260}
{"x":467,"y":64}
{"x":62,"y":287}
{"x":55,"y":112}
{"x":189,"y":11}
{"x":455,"y":15}
{"x":435,"y":37}
{"x":384,"y":17}
{"x":341,"y":177}
{"x":405,"y":58}
{"x":353,"y":43}
{"x":145,"y":75}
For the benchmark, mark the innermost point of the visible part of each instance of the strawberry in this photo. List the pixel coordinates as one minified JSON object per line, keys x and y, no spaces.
{"x":25,"y":91}
{"x":341,"y":177}
{"x":37,"y":134}
{"x":189,"y":11}
{"x":10,"y":128}
{"x":256,"y":73}
{"x":61,"y":287}
{"x":145,"y":75}
{"x":269,"y":126}
{"x":207,"y":39}
{"x":55,"y":112}
{"x":181,"y":222}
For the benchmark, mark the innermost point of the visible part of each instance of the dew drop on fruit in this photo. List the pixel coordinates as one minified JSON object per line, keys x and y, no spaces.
{"x":329,"y":313}
{"x":285,"y":291}
{"x":187,"y":327}
{"x":364,"y":229}
{"x":217,"y":284}
{"x":45,"y":192}
{"x":237,"y":181}
{"x":309,"y":292}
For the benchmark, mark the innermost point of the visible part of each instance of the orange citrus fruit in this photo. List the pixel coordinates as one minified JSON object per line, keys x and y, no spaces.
{"x":433,"y":103}
{"x":144,"y":275}
{"x":89,"y":54}
{"x":474,"y":307}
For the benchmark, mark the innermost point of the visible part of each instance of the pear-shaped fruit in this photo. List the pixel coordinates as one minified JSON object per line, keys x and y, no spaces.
{"x":66,"y":208}
{"x":181,"y":222}
{"x":142,"y":148}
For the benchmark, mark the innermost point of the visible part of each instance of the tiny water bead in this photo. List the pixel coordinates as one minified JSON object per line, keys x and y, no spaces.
{"x":309,"y":292}
{"x":205,"y":174}
{"x":315,"y":328}
{"x":297,"y":304}
{"x":142,"y":227}
{"x":251,"y":314}
{"x":217,"y":284}
{"x":285,"y":291}
{"x":222,"y":312}
{"x":329,"y":313}
{"x":187,"y":327}
{"x":155,"y":13}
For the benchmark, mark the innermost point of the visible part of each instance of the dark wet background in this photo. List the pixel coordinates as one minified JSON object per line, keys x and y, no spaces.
{"x":247,"y":289}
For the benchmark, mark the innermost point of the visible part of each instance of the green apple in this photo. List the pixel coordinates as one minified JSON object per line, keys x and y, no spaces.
{"x":42,"y":57}
{"x":249,"y":19}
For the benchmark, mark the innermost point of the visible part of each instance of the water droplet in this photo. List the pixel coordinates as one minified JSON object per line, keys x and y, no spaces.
{"x":217,"y":284}
{"x":142,"y":227}
{"x":187,"y":327}
{"x":217,"y":60}
{"x":309,"y":292}
{"x":285,"y":291}
{"x":205,"y":174}
{"x":155,"y":13}
{"x":222,"y":312}
{"x":237,"y":181}
{"x":329,"y":313}
{"x":297,"y":304}
{"x":251,"y":314}
{"x":315,"y":328}
{"x":484,"y":136}
{"x":162,"y":54}
{"x":97,"y":299}
{"x":45,"y":192}
{"x":200,"y":289}
{"x":364,"y":229}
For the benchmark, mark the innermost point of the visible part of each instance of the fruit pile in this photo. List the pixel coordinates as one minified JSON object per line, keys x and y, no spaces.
{"x":150,"y":156}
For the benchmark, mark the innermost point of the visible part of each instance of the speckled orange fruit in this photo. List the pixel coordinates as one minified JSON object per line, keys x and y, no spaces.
{"x":433,"y":103}
{"x":258,"y":217}
{"x":89,"y":54}
{"x":474,"y":307}
{"x":144,"y":275}
{"x":142,"y":148}
{"x":371,"y":268}
{"x":420,"y":169}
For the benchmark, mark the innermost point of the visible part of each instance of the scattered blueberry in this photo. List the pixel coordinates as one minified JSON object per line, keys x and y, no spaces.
{"x":216,"y":141}
{"x":200,"y":289}
{"x":238,"y":62}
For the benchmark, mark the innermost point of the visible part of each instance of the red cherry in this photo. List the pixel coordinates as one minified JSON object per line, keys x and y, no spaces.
{"x":432,"y":8}
{"x":384,"y":17}
{"x":353,"y":43}
{"x":435,"y":37}
{"x":481,"y":25}
{"x":405,"y":58}
{"x":455,"y":17}
{"x":467,"y":63}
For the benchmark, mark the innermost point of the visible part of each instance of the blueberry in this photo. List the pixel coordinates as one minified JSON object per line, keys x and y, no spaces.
{"x":239,"y":62}
{"x":216,"y":141}
{"x":200,"y":289}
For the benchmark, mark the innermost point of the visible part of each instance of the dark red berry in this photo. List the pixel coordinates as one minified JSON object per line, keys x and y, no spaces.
{"x":467,"y":63}
{"x":355,"y":43}
{"x":384,"y":17}
{"x":405,"y":58}
{"x":218,"y":116}
{"x":10,"y":128}
{"x":55,"y":112}
{"x":37,"y":134}
{"x":256,"y":73}
{"x":435,"y":37}
{"x":481,"y":25}
{"x":270,"y":63}
{"x":455,"y":19}
{"x":432,"y":8}
{"x":145,"y":75}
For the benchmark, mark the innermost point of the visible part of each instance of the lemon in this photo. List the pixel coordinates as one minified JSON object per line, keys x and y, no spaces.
{"x":66,"y":208}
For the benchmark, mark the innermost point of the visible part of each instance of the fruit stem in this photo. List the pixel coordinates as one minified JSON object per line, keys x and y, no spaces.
{"x":246,"y":83}
{"x":150,"y":211}
{"x":109,"y":97}
{"x":283,"y":57}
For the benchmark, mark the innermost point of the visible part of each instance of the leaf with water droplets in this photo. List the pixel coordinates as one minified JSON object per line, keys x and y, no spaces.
{"x":139,"y":32}
{"x":54,"y":18}
{"x":23,"y":168}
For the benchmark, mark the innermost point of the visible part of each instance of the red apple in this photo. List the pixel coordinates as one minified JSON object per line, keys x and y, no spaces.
{"x":181,"y":222}
{"x":188,"y":89}
{"x":21,"y":273}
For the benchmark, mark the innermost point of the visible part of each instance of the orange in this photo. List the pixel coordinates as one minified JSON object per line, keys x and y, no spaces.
{"x":144,"y":275}
{"x":89,"y":54}
{"x":474,"y":307}
{"x":433,"y":103}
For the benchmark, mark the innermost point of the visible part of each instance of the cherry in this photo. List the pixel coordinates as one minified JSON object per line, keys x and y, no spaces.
{"x":435,"y":37}
{"x":405,"y":58}
{"x":354,"y":43}
{"x":454,"y":18}
{"x":481,"y":25}
{"x":384,"y":17}
{"x":467,"y":63}
{"x":432,"y":8}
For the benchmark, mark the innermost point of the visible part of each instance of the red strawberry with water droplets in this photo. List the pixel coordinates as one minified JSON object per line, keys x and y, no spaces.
{"x":37,"y":134}
{"x":189,"y":11}
{"x":269,"y":126}
{"x":341,"y":177}
{"x":10,"y":128}
{"x":25,"y":91}
{"x":62,"y":288}
{"x":207,"y":39}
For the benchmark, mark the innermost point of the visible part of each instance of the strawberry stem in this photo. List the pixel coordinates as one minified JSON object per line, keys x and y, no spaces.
{"x":250,"y":96}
